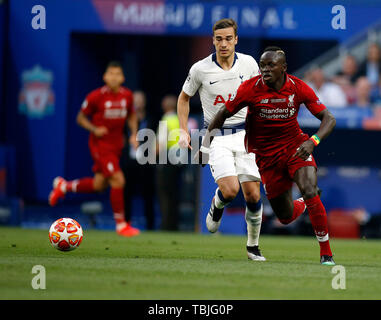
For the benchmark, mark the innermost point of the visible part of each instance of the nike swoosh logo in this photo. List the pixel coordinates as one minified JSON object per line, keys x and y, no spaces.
{"x":210,"y":82}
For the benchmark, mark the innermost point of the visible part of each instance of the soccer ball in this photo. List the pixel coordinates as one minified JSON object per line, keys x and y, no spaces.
{"x":65,"y":234}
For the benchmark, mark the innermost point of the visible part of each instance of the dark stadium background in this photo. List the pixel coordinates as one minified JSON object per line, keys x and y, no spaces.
{"x":81,"y":36}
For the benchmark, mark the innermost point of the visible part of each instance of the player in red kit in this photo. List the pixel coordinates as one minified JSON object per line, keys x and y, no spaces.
{"x":104,"y":114}
{"x":284,"y":152}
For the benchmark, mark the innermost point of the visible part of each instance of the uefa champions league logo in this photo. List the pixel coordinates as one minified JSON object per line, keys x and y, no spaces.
{"x":36,"y":98}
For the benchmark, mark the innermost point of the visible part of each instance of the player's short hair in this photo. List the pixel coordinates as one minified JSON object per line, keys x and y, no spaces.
{"x":225,"y":23}
{"x":276,"y":49}
{"x":114,"y":64}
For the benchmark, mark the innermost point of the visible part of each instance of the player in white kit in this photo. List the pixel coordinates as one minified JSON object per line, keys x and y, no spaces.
{"x":217,"y":78}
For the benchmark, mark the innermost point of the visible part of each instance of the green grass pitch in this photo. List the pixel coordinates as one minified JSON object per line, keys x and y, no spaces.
{"x":158,"y":265}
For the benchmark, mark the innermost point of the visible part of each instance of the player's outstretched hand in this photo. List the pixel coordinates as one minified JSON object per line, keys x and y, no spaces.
{"x":184,"y":140}
{"x":305,"y":150}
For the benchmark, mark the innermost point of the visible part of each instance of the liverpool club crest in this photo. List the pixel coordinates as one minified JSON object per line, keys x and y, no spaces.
{"x":36,"y":98}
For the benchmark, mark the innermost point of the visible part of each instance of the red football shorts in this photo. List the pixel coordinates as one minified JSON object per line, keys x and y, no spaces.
{"x":105,"y":162}
{"x":277,"y":172}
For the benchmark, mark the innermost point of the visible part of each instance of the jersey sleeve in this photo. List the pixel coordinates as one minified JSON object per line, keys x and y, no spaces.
{"x":192,"y":82}
{"x":310,"y":99}
{"x":239,"y":100}
{"x":89,"y":105}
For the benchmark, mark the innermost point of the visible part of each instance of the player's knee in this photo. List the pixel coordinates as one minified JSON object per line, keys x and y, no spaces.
{"x":309,"y":191}
{"x":117,"y":184}
{"x":100,"y":186}
{"x":117,"y":181}
{"x":229,"y":192}
{"x":252,"y":196}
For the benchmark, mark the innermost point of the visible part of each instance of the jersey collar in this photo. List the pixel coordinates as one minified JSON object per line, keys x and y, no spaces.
{"x":107,"y":89}
{"x":214,"y":59}
{"x":285,"y":84}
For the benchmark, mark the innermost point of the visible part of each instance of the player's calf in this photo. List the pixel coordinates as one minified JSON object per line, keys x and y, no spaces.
{"x":117,"y":180}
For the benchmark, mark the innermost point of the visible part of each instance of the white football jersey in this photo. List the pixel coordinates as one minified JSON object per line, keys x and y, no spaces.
{"x":216,"y":86}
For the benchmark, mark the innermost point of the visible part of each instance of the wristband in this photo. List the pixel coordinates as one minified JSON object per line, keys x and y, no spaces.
{"x":204,"y":149}
{"x":315,"y":139}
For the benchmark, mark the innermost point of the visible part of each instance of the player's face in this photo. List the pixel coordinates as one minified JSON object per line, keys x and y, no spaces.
{"x":224,"y":41}
{"x":272,"y":67}
{"x":113,"y":77}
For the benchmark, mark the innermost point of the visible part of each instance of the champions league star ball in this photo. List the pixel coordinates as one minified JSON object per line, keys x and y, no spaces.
{"x":65,"y":234}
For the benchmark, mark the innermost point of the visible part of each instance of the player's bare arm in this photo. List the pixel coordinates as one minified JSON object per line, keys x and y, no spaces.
{"x":183,"y":113}
{"x":85,"y":123}
{"x":327,"y":124}
{"x":132,"y":122}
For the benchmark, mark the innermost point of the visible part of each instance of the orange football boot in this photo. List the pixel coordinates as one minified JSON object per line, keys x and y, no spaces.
{"x":128,"y":231}
{"x":57,"y":192}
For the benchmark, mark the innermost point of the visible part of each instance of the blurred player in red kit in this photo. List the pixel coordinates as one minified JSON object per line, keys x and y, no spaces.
{"x":284,"y":152}
{"x":104,"y":114}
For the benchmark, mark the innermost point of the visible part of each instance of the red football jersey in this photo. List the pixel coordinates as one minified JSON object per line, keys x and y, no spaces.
{"x":271,"y":121}
{"x":109,"y":109}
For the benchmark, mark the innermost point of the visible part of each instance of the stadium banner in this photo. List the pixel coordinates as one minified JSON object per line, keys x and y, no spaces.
{"x":271,"y":19}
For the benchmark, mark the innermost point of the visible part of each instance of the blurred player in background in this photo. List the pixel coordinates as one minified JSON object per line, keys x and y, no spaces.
{"x":104,"y":114}
{"x":283,"y":151}
{"x":168,"y":175}
{"x":217,"y":78}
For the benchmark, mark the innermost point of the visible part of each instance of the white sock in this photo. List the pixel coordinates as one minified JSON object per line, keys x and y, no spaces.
{"x":254,"y":222}
{"x":63,"y":187}
{"x":120,"y":225}
{"x":218,"y":202}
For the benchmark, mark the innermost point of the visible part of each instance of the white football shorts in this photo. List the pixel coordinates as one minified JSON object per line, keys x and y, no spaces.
{"x":228,"y":157}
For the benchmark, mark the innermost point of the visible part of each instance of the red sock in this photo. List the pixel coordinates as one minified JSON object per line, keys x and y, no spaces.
{"x":299,"y":207}
{"x":318,"y":218}
{"x":117,"y":205}
{"x":84,"y":185}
